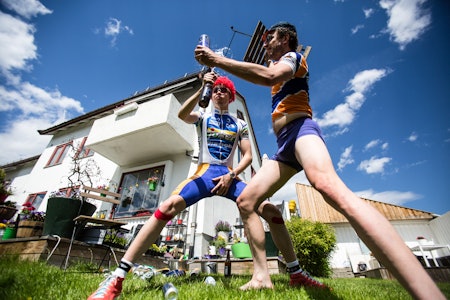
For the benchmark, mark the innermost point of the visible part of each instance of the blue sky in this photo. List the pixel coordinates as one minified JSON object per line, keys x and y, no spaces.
{"x":378,"y":77}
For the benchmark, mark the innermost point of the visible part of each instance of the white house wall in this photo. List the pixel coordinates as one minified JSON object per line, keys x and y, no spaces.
{"x":441,"y":230}
{"x":351,"y":250}
{"x":179,"y":165}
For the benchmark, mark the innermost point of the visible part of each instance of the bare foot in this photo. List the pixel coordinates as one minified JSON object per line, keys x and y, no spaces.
{"x":256,"y":284}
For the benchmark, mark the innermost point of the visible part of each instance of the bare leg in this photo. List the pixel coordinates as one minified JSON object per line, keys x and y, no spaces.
{"x":265,"y":182}
{"x":278,"y":230}
{"x":373,"y":228}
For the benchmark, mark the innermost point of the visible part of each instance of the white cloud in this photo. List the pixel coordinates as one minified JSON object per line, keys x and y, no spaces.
{"x":113,"y":28}
{"x":372,"y":144}
{"x":25,"y":107}
{"x":28,"y":99}
{"x":407,"y":20}
{"x":392,"y":197}
{"x":26,"y":8}
{"x":346,"y":158}
{"x":343,"y":114}
{"x":23,"y":140}
{"x":376,"y":143}
{"x":357,"y":28}
{"x":368,"y":12}
{"x":288,"y":191}
{"x":18,"y":48}
{"x":413,"y":137}
{"x":374,"y":165}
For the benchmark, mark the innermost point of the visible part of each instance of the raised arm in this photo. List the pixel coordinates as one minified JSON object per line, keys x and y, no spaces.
{"x":186,"y":112}
{"x":252,"y":72}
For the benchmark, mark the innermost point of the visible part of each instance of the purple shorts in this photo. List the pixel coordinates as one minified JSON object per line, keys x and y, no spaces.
{"x":287,"y":137}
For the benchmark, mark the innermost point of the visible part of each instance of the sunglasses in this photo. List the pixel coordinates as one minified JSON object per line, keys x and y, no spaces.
{"x":268,"y":36}
{"x":221,"y":89}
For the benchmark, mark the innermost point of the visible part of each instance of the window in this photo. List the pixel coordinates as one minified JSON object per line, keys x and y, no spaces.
{"x":139,"y":196}
{"x":68,"y":192}
{"x":82,"y":151}
{"x":59,"y":154}
{"x":240,"y":115}
{"x":36,"y":199}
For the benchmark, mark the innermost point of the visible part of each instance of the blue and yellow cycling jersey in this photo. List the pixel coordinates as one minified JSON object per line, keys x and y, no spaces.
{"x":219,"y":135}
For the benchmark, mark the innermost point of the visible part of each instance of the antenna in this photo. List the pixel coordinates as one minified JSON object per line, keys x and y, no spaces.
{"x":232,"y":37}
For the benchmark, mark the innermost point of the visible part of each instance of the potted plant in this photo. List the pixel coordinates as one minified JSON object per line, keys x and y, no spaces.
{"x":219,"y":244}
{"x":222,"y":226}
{"x":31,"y":222}
{"x":223,"y":229}
{"x":154,"y":250}
{"x":115,"y":238}
{"x":8,"y":229}
{"x":240,"y":249}
{"x":152,"y":182}
{"x":103,"y":187}
{"x":7,"y":208}
{"x":64,"y":206}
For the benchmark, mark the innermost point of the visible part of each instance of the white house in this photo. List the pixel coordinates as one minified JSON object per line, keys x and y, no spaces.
{"x":352,"y":253}
{"x":130,"y":141}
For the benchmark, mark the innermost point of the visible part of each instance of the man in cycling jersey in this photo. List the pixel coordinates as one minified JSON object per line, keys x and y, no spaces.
{"x":301,"y":147}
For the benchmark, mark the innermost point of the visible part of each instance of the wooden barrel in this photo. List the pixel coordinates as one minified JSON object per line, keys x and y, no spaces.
{"x":29,"y":228}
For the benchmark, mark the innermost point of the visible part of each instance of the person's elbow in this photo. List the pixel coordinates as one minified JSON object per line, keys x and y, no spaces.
{"x":181,"y":115}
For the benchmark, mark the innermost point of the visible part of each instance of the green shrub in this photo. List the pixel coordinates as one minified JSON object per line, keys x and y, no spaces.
{"x":313,"y":243}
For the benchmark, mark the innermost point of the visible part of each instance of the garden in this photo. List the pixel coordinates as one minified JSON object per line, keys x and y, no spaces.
{"x":37,"y":280}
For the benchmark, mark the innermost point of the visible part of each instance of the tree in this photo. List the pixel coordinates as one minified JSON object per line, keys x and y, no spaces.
{"x":313,"y":243}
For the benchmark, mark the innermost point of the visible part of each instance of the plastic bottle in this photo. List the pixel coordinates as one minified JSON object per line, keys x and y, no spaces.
{"x":170,"y":292}
{"x":207,"y":89}
{"x":227,"y":268}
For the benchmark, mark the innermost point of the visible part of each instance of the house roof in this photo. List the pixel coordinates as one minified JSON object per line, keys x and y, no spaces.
{"x":167,"y":87}
{"x":313,"y":207}
{"x":22,"y":162}
{"x":109,"y":109}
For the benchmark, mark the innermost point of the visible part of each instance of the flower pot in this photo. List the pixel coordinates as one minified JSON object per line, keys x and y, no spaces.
{"x":7,"y":212}
{"x":241,"y":250}
{"x":152,"y":186}
{"x":29,"y":228}
{"x":10,"y":233}
{"x":60,"y":214}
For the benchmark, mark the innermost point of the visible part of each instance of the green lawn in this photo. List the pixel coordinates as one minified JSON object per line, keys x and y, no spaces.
{"x":37,"y":280}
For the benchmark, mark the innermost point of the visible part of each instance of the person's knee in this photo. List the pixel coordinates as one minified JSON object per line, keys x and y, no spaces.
{"x":323,"y":185}
{"x":245,"y":206}
{"x":170,"y":207}
{"x":272,"y":215}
